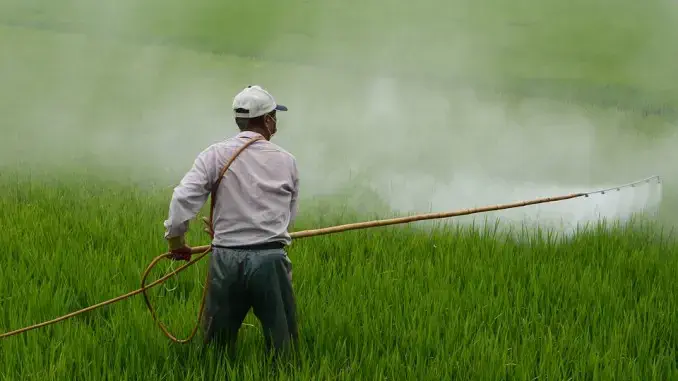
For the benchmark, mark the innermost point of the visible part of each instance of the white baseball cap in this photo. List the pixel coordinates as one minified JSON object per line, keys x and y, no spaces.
{"x":256,"y":101}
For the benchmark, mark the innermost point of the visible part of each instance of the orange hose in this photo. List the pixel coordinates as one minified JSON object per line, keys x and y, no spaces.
{"x":201,"y":251}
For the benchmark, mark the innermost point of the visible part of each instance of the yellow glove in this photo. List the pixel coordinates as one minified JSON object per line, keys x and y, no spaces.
{"x":176,"y":243}
{"x":179,"y":250}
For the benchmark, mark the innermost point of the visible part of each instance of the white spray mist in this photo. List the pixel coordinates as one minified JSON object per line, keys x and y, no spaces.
{"x":422,"y":146}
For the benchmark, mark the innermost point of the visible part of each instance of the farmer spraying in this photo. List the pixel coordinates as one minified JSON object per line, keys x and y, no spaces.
{"x":254,"y":205}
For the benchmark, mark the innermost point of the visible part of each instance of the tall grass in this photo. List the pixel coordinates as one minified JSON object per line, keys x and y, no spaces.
{"x":387,"y":303}
{"x":79,"y":224}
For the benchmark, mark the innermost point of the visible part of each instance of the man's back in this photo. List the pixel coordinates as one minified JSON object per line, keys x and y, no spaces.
{"x":256,"y":202}
{"x":257,"y":197}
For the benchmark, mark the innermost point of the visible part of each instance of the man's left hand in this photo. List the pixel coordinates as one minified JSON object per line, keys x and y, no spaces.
{"x":208,"y":226}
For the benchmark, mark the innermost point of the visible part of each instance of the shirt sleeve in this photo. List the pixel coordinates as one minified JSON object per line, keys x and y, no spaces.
{"x":294,"y":204}
{"x":190,"y":195}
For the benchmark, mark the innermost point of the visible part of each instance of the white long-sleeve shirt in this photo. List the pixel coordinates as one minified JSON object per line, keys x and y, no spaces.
{"x":257,"y":198}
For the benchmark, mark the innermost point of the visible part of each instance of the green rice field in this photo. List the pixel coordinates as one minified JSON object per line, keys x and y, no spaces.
{"x":395,"y":109}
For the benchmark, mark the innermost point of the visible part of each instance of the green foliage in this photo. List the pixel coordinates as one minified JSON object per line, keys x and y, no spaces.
{"x":79,"y":225}
{"x":393,"y":302}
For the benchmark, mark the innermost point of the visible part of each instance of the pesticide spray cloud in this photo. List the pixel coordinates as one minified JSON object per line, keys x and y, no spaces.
{"x":375,"y":106}
{"x":499,"y":154}
{"x":428,"y":145}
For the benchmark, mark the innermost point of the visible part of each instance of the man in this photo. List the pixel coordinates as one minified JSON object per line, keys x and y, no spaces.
{"x":256,"y":203}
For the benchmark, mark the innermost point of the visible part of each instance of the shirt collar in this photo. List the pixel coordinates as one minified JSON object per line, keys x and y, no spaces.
{"x":249,"y":134}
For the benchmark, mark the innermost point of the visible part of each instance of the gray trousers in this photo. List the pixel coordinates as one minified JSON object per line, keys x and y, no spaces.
{"x":244,"y":279}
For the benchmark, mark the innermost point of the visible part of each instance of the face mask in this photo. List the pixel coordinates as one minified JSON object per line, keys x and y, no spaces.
{"x":270,"y":133}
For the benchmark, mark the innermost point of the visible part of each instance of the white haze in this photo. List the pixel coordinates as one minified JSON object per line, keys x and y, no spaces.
{"x":420,"y":148}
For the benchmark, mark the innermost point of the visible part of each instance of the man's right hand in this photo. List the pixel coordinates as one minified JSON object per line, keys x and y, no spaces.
{"x":178,"y":249}
{"x":182,"y":253}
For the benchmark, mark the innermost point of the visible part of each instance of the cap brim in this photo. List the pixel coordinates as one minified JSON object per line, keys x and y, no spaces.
{"x":281,"y":108}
